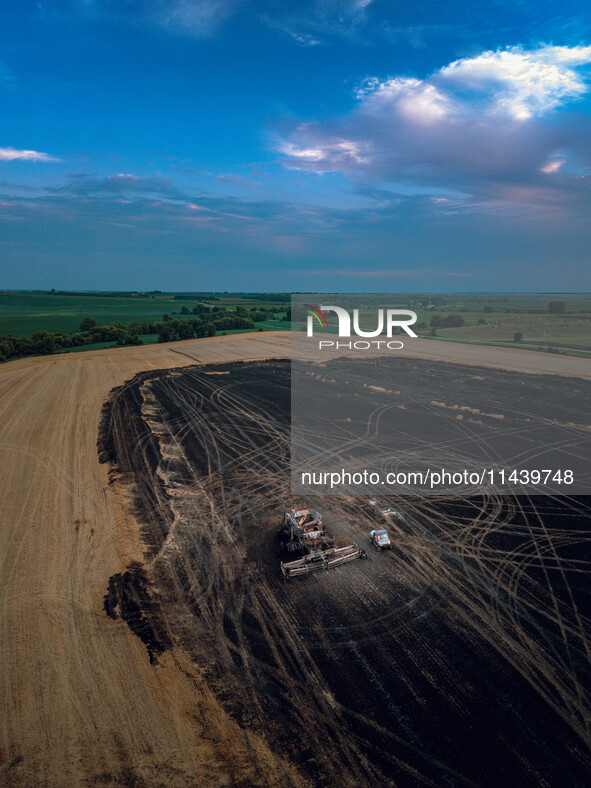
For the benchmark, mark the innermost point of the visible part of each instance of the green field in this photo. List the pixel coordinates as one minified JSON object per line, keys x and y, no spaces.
{"x":488,"y":318}
{"x":516,"y":314}
{"x":570,"y":331}
{"x":22,"y":314}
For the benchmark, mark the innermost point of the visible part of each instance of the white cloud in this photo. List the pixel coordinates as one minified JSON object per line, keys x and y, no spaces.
{"x":510,"y":82}
{"x":521,"y":84}
{"x":310,"y":154}
{"x":552,"y":166}
{"x":576,"y":56}
{"x":416,"y":99}
{"x":12,"y":154}
{"x":337,"y":153}
{"x":476,"y":126}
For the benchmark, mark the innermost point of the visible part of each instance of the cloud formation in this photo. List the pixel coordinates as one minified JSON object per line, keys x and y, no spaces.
{"x":12,"y":154}
{"x":316,"y":22}
{"x":97,"y":221}
{"x":521,"y":84}
{"x":481,"y":129}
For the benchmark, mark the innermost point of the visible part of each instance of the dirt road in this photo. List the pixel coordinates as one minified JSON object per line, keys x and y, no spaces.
{"x":80,"y":700}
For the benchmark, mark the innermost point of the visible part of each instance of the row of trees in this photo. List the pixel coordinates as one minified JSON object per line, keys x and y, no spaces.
{"x":447,"y":321}
{"x":173,"y":330}
{"x":44,"y":343}
{"x":255,"y":314}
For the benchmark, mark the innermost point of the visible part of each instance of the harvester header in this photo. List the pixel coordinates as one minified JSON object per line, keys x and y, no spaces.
{"x":303,"y":532}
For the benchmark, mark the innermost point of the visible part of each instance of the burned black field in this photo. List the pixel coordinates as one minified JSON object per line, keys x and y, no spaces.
{"x":461,"y":657}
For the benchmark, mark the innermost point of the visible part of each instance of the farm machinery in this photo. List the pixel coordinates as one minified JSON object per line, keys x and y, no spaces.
{"x":380,"y":539}
{"x":304,"y":533}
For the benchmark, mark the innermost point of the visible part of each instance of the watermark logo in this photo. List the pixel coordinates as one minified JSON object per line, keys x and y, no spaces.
{"x":317,"y":314}
{"x":387,"y":321}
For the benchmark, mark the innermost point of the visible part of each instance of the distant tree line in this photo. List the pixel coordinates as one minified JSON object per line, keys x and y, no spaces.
{"x":203,"y":323}
{"x":101,"y":293}
{"x":171,"y":330}
{"x":44,"y":343}
{"x":255,"y":313}
{"x":447,"y":321}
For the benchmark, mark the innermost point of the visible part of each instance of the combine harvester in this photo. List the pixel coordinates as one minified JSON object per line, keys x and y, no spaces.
{"x":304,"y":533}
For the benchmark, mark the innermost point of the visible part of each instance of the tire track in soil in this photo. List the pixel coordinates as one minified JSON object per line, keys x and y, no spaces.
{"x":450,"y":661}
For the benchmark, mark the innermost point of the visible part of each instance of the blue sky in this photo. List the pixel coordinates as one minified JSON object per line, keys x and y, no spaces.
{"x":361,"y":145}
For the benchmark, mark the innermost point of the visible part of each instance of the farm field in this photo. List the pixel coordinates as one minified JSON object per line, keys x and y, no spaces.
{"x":147,"y":639}
{"x":23,"y":314}
{"x":565,"y":331}
{"x":487,"y":318}
{"x":26,"y":313}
